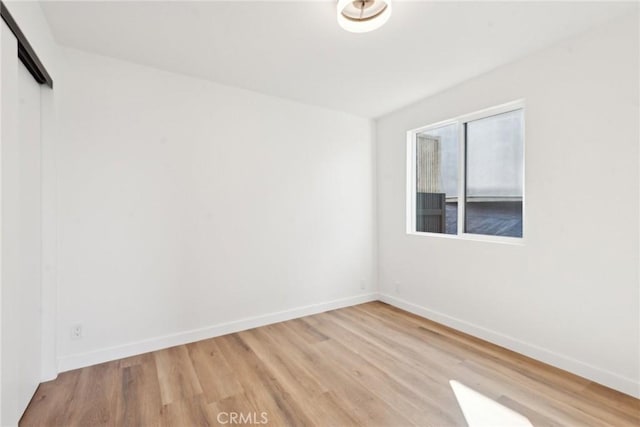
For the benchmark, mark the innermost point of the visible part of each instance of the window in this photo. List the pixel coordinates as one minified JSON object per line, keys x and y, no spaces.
{"x":466,"y":175}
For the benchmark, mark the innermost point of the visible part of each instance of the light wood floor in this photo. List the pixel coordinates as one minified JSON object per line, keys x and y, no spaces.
{"x":366,"y":365}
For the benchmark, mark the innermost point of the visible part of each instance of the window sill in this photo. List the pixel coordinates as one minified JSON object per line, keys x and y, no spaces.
{"x":515,"y":241}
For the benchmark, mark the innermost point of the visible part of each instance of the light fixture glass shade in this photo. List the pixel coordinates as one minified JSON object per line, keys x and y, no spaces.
{"x":361,"y":16}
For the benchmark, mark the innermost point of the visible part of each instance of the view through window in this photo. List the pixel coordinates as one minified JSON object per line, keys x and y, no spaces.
{"x":437,"y":180}
{"x":494,"y":186}
{"x":490,"y":163}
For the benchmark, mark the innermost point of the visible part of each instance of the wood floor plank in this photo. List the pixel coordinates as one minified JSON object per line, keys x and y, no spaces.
{"x":216,"y":377}
{"x":429,"y":385}
{"x":572,"y":410}
{"x":52,"y":401}
{"x":178,"y":380}
{"x":257,"y":380}
{"x":223,"y":410}
{"x":536,"y":418}
{"x":613,"y":399}
{"x":365,"y":406}
{"x":412,"y":406}
{"x":371,"y":364}
{"x":317,"y":400}
{"x":293,"y":378}
{"x":495,"y":386}
{"x":355,"y":399}
{"x":99,"y":398}
{"x":417,"y":352}
{"x":140,"y":401}
{"x":478,"y":349}
{"x":191,"y":411}
{"x":549,"y":383}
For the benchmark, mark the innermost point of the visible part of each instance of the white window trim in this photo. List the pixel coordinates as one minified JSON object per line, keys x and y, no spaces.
{"x":411,"y":173}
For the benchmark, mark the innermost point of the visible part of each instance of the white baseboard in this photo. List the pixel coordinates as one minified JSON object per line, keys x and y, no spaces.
{"x":82,"y":360}
{"x":601,"y":376}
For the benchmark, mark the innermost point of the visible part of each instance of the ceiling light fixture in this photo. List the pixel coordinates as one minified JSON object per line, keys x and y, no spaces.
{"x":361,"y":16}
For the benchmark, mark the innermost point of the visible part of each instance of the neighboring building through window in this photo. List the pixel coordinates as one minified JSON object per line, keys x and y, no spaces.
{"x":437,"y":180}
{"x":467,"y":175}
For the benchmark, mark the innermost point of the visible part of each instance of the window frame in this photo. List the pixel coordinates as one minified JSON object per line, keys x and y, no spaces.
{"x":461,"y":122}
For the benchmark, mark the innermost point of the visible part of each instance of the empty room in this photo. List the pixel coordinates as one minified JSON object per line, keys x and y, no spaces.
{"x":319,"y":213}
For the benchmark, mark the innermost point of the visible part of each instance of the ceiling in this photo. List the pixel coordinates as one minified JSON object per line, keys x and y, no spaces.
{"x":296,"y":50}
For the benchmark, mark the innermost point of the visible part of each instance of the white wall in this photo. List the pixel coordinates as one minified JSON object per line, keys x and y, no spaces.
{"x":569,"y":295}
{"x":185,"y":204}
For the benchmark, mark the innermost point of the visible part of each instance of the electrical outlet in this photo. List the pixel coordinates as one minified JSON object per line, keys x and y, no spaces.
{"x":76,"y":332}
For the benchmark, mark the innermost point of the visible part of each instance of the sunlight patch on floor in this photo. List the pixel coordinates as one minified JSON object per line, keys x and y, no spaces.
{"x":480,"y":411}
